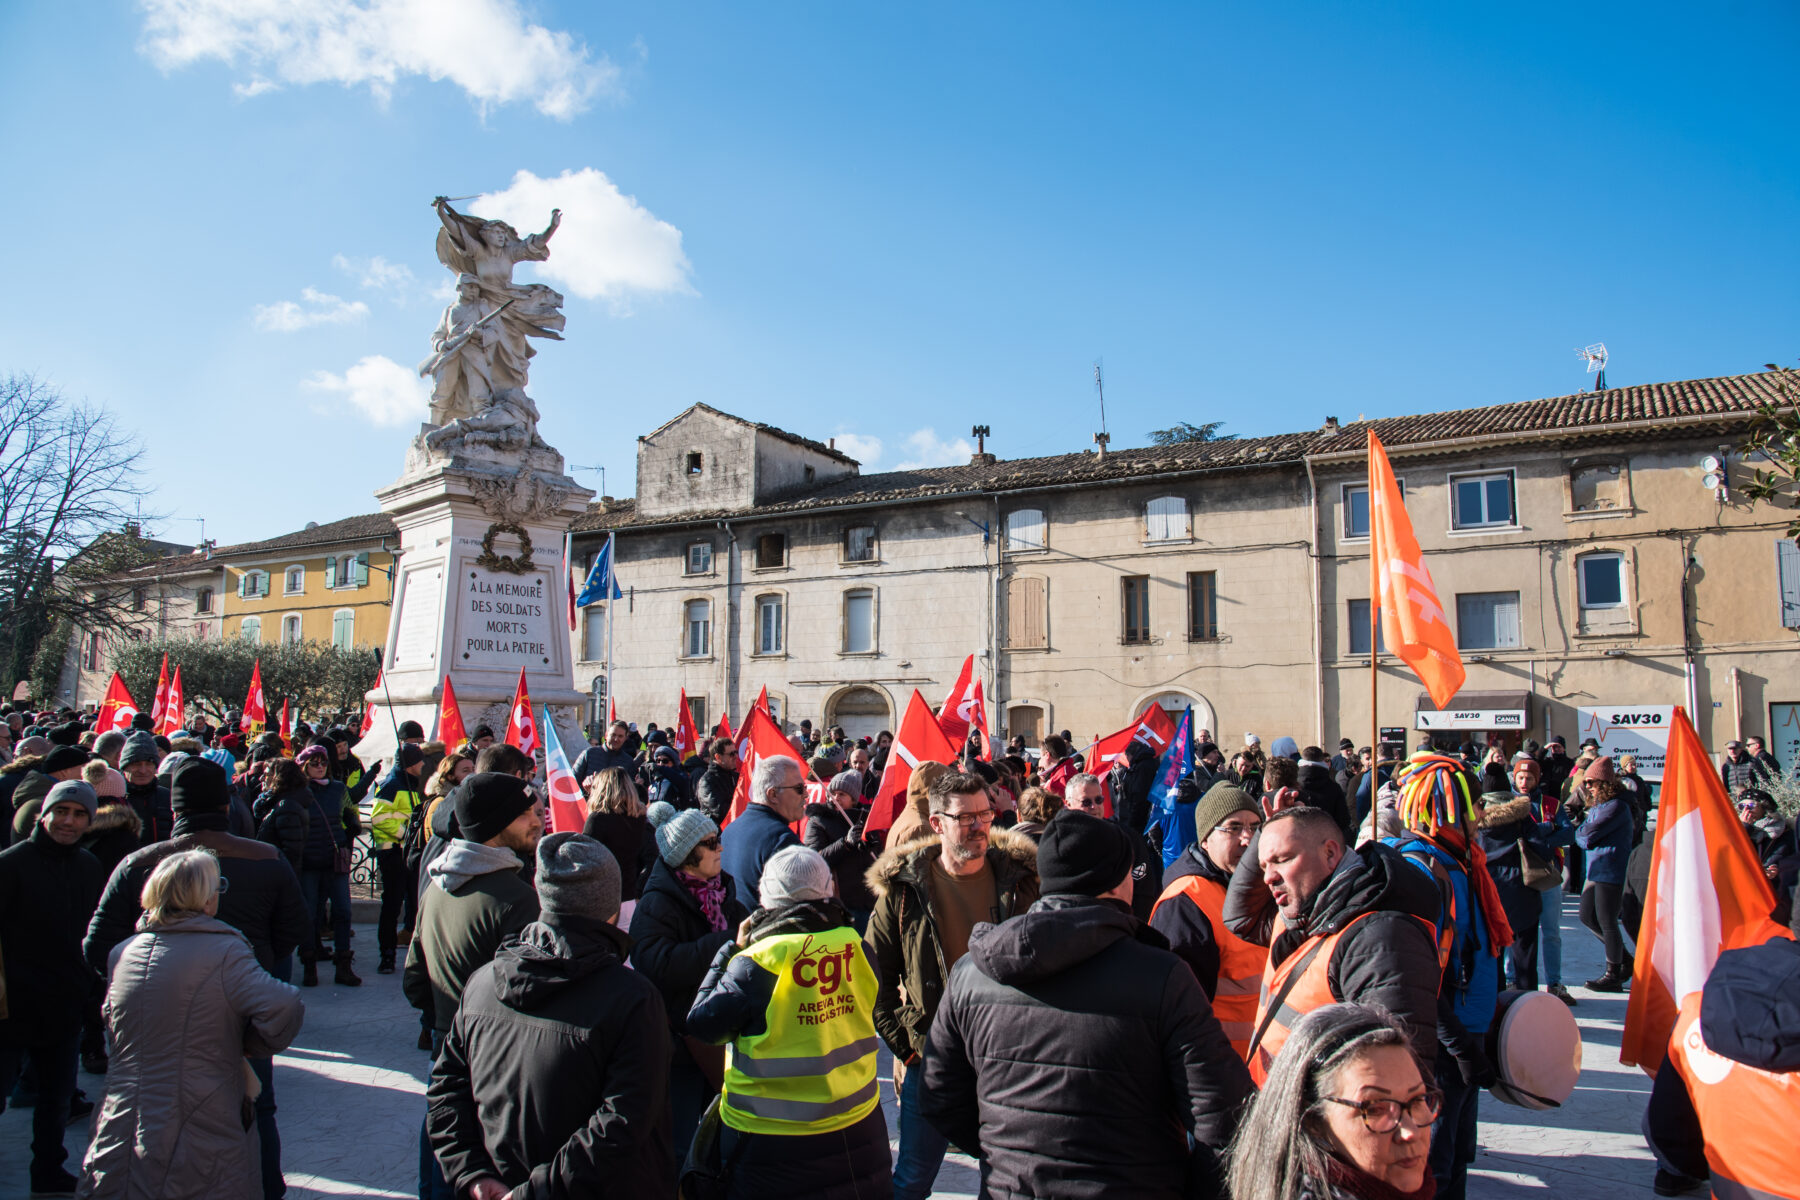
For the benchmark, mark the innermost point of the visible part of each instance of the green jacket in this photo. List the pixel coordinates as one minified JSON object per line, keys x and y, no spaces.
{"x":476,"y":900}
{"x":908,"y":953}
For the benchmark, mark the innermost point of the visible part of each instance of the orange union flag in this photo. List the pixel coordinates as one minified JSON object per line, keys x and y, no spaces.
{"x":1413,"y":624}
{"x":1707,"y":894}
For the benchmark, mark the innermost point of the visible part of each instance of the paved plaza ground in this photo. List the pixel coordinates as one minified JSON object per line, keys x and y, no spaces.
{"x":350,"y":1098}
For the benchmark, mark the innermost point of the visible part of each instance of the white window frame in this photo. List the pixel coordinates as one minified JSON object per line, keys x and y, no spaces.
{"x":1352,"y":625}
{"x":288,"y":586}
{"x":1345,"y":533}
{"x":1014,"y":527}
{"x":593,"y":632}
{"x":1497,"y":643}
{"x":350,"y":644}
{"x":1581,"y":582}
{"x":249,"y":626}
{"x":299,"y":628}
{"x":874,"y":623}
{"x":687,"y":628}
{"x":761,"y":647}
{"x":1457,"y":525}
{"x":1175,"y":526}
{"x":255,"y":584}
{"x":687,"y":560}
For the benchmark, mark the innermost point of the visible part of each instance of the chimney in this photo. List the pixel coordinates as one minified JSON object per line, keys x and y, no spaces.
{"x":981,"y":458}
{"x":132,"y":529}
{"x":831,"y":443}
{"x":1331,"y":427}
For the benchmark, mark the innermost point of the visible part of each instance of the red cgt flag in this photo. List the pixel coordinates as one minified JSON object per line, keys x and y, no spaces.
{"x":758,"y":739}
{"x":723,"y":729}
{"x":1707,"y":894}
{"x":687,"y":738}
{"x":521,"y":726}
{"x":450,"y":722}
{"x":920,"y":740}
{"x":174,"y":706}
{"x":1154,"y":727}
{"x":256,"y":713}
{"x":117,"y":710}
{"x":1413,"y":624}
{"x":762,"y":701}
{"x":160,"y":704}
{"x":958,"y":706}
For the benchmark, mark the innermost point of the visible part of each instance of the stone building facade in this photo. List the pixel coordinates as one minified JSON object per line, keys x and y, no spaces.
{"x":1579,"y":556}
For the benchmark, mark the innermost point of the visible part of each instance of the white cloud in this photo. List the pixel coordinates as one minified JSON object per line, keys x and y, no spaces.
{"x":316,"y":308}
{"x":376,"y":273}
{"x":380,"y":388}
{"x":926,"y":449}
{"x":608,"y":247}
{"x":485,"y":47}
{"x":865,"y":450}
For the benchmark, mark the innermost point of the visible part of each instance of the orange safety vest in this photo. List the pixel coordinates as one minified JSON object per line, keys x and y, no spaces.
{"x":1311,"y":960}
{"x":1738,"y":1106}
{"x":1241,"y":963}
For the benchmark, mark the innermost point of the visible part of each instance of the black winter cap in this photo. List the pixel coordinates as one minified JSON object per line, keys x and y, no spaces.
{"x":487,"y":803}
{"x":66,"y":734}
{"x":1082,"y":855}
{"x":198,"y":785}
{"x":62,"y":758}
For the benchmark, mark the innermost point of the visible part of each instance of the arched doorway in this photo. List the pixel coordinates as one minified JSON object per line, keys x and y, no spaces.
{"x":1174,"y":703}
{"x":862,"y":711}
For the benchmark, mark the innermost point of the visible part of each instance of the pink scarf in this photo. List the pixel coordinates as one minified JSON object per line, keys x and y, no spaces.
{"x":709,"y":894}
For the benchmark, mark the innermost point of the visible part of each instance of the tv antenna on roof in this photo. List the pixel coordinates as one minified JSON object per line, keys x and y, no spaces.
{"x":1100,"y":386}
{"x":1595,"y":356}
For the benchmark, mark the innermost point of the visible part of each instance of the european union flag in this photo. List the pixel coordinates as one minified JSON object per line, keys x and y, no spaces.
{"x":602,"y":580}
{"x":1166,"y":808}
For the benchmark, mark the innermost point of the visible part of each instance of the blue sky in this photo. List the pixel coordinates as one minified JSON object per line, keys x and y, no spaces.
{"x":880,"y":223}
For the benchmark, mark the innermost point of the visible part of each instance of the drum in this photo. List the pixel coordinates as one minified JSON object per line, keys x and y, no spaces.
{"x":1535,"y":1045}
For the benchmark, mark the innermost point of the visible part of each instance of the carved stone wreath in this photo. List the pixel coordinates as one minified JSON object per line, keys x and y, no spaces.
{"x":506,"y":562}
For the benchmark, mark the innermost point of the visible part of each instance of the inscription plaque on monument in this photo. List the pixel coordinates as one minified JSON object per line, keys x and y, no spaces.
{"x":415,"y":645}
{"x":503,"y":620}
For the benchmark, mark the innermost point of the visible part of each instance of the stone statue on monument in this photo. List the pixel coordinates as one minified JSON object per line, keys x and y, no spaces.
{"x":480,"y":357}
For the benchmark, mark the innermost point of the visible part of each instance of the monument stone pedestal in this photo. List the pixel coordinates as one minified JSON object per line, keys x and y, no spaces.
{"x":479,"y":593}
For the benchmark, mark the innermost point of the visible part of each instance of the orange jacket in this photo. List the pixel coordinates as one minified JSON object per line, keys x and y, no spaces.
{"x":1739,"y":1106}
{"x":1241,"y":963}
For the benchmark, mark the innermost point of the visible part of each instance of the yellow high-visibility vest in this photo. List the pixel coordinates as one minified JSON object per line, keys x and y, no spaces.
{"x":813,"y":1068}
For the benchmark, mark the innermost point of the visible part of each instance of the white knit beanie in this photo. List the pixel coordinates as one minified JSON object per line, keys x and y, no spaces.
{"x":793,"y":875}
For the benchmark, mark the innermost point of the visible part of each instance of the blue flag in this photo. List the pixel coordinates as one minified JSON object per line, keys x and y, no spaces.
{"x":1166,"y":809}
{"x":602,"y":579}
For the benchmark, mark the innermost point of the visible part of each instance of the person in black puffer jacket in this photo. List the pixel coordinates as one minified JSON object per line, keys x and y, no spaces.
{"x":718,"y":783}
{"x":689,"y":909}
{"x":553,"y":1079}
{"x":834,"y":829}
{"x":332,"y":823}
{"x":1075,"y":1055}
{"x":1130,"y":783}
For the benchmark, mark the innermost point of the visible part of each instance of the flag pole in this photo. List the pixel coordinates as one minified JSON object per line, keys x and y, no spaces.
{"x":1374,"y":636}
{"x":612,"y":575}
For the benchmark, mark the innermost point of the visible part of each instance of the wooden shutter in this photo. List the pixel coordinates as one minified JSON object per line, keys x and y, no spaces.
{"x":1025,"y":529}
{"x":1165,"y":519}
{"x":331,"y":570}
{"x":1025,"y":615}
{"x":362,"y":569}
{"x":1787,"y":568}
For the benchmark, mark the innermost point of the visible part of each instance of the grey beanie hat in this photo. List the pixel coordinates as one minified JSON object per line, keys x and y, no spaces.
{"x":139,"y":747}
{"x":846,"y":781}
{"x":577,"y":877}
{"x":76,"y":790}
{"x":793,"y":875}
{"x":678,"y":832}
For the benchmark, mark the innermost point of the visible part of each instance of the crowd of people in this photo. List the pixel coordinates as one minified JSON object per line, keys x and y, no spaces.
{"x":1279,"y":980}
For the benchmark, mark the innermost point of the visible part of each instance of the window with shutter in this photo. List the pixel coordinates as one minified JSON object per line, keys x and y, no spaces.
{"x":859,"y":622}
{"x":1026,"y":623}
{"x":1025,"y":530}
{"x":1166,"y":519}
{"x":362,"y":569}
{"x":1134,"y":596}
{"x":1203,"y":606}
{"x":593,"y":633}
{"x":1787,"y":567}
{"x":769,"y":624}
{"x":1487,"y":620}
{"x":330,"y":571}
{"x":343,"y":629}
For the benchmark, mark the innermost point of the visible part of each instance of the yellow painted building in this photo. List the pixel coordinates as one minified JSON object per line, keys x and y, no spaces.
{"x":325,"y":583}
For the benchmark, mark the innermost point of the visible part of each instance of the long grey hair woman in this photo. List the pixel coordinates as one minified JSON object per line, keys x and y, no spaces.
{"x":1345,"y":1115}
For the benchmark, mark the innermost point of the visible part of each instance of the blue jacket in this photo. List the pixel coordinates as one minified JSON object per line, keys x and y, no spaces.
{"x":749,"y":842}
{"x":1606,"y":836}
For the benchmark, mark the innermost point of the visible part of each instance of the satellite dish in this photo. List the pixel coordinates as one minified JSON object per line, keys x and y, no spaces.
{"x":1711,"y":463}
{"x":1712,"y":479}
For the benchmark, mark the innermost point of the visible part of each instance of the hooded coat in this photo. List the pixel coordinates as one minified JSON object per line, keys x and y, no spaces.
{"x":1131,"y":783}
{"x":477,"y":900}
{"x":1074,"y":1055}
{"x":187,"y":1004}
{"x":671,"y":941}
{"x":1390,"y":959}
{"x":904,"y":940}
{"x":714,"y":789}
{"x":554,"y":1079}
{"x":47,"y":893}
{"x":115,"y":832}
